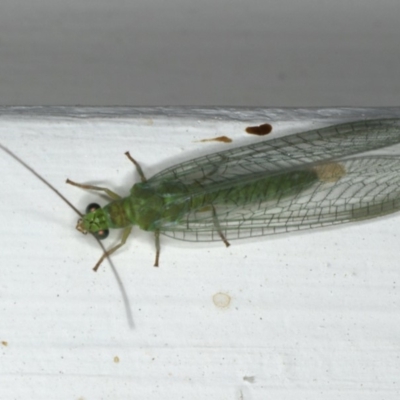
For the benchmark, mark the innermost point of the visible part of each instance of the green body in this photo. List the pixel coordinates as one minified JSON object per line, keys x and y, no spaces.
{"x":158,"y":207}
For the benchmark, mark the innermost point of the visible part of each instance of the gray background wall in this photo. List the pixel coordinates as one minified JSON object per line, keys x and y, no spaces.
{"x":182,"y":52}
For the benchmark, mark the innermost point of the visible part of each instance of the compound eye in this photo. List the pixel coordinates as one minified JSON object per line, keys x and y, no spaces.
{"x":92,"y":207}
{"x":101,"y":234}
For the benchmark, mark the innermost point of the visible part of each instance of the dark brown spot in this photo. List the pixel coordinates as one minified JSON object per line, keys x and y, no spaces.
{"x":259,"y":130}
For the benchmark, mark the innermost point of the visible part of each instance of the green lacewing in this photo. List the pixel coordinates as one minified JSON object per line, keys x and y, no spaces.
{"x":302,"y":181}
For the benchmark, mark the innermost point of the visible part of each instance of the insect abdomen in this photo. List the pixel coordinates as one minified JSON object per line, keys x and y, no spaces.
{"x":152,"y":208}
{"x":261,"y":189}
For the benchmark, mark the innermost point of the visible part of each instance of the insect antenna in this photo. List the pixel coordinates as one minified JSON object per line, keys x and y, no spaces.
{"x":51,"y":187}
{"x":48,"y":184}
{"x":62,"y":197}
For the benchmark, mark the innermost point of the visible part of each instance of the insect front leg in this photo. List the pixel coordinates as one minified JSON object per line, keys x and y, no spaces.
{"x":110,"y":193}
{"x":125,"y":235}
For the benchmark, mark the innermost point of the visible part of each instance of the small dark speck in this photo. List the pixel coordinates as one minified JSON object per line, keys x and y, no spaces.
{"x":250,"y":379}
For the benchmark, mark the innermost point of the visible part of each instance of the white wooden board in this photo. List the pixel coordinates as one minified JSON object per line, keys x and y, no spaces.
{"x":301,"y":316}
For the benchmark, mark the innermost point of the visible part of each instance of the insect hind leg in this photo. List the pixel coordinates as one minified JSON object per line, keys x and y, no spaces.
{"x":157,"y":237}
{"x":218,"y":227}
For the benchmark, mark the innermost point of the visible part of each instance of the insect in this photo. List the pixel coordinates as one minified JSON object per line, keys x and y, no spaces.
{"x":302,"y":181}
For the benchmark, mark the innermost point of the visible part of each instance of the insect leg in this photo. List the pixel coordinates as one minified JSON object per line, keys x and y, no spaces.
{"x":217,"y":225}
{"x":138,"y":167}
{"x":109,"y":192}
{"x":157,"y":236}
{"x":125,"y":235}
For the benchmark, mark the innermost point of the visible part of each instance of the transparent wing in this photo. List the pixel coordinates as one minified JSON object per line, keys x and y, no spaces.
{"x":290,"y":152}
{"x":364,"y":187}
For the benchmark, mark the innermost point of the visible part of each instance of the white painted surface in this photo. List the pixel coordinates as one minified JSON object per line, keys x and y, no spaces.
{"x":302,"y":316}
